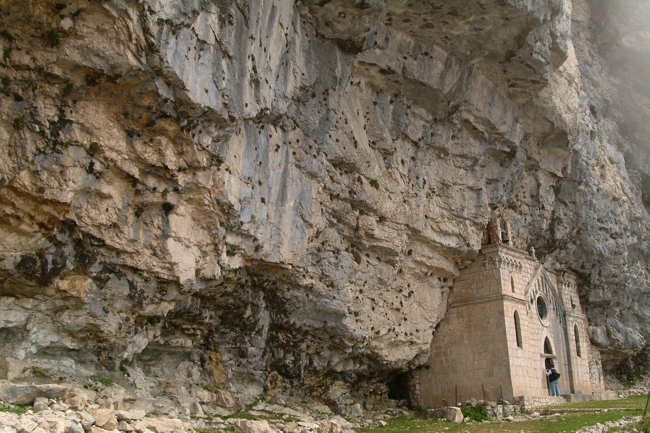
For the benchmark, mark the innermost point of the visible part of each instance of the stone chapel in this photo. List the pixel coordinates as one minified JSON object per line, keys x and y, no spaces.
{"x":508,"y":317}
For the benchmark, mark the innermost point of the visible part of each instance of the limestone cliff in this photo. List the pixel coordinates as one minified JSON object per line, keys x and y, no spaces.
{"x":269,"y":195}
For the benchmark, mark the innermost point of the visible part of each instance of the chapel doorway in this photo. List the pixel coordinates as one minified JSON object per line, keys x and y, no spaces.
{"x":548,"y":360}
{"x":548,"y":353}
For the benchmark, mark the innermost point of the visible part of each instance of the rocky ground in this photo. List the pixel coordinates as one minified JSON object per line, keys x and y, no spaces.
{"x":99,"y":406}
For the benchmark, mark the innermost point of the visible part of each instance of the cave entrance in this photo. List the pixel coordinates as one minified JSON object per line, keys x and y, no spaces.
{"x":398,"y":388}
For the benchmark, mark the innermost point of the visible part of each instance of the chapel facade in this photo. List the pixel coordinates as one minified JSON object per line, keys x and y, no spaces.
{"x":508,"y":317}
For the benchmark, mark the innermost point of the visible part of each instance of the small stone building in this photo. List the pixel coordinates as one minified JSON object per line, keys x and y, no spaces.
{"x":508,"y":318}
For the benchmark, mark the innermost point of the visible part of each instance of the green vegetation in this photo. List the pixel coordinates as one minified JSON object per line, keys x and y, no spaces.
{"x":18,"y":123}
{"x":475,"y":413}
{"x":37,"y":372}
{"x":644,"y":425}
{"x":52,"y":38}
{"x":374,"y":183}
{"x":635,"y":402}
{"x":18,"y":410}
{"x":93,"y":148}
{"x":67,"y":89}
{"x":6,"y":35}
{"x":568,"y":422}
{"x":214,"y":430}
{"x":123,"y":369}
{"x":102,"y":380}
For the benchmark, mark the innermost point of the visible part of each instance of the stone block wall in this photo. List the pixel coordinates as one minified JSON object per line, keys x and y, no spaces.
{"x":527,"y":403}
{"x":596,"y":377}
{"x":478,"y":346}
{"x":468,"y":354}
{"x":527,"y":364}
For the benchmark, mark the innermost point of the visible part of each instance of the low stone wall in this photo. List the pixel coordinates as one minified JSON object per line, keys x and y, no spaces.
{"x":606,"y":395}
{"x":528,"y":403}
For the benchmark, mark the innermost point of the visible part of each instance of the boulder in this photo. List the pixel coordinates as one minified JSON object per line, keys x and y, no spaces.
{"x":56,"y":424}
{"x":224,"y":398}
{"x":216,"y":410}
{"x":27,"y":424}
{"x":11,"y":368}
{"x":77,"y":401}
{"x":454,"y":414}
{"x":203,"y":395}
{"x":129,"y":415}
{"x":191,"y":406}
{"x":26,"y":394}
{"x":85,"y":419}
{"x":250,"y":426}
{"x":340,"y":421}
{"x":95,"y":429}
{"x":8,"y":419}
{"x":324,"y":426}
{"x":320,"y":408}
{"x":41,"y":404}
{"x":124,"y":426}
{"x":162,"y":425}
{"x":104,"y":419}
{"x":356,"y":411}
{"x":72,"y":427}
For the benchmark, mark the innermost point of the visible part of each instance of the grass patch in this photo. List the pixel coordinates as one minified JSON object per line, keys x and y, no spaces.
{"x":642,"y":426}
{"x":123,"y":369}
{"x":37,"y":372}
{"x":410,"y":424}
{"x":18,"y":410}
{"x":241,"y":415}
{"x":475,"y":413}
{"x":566,"y":423}
{"x":102,"y":380}
{"x":93,"y":148}
{"x":18,"y":123}
{"x":634,"y":402}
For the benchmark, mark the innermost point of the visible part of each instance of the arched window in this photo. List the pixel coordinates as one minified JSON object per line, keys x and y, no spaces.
{"x":512,"y":284}
{"x":518,"y":331}
{"x":575,"y":332}
{"x":542,"y":309}
{"x":548,"y":349}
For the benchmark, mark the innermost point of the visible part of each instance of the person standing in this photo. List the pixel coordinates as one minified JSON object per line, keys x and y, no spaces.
{"x":553,"y":376}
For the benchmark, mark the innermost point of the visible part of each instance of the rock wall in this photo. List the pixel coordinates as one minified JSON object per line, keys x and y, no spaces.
{"x":275,"y":196}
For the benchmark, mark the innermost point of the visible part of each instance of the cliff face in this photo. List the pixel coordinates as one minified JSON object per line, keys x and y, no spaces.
{"x":265,"y":195}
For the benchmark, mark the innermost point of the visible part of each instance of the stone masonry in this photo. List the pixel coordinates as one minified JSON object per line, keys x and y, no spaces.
{"x":508,"y":318}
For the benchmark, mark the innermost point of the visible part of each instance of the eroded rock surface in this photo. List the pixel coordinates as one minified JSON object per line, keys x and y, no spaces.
{"x":230,"y":198}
